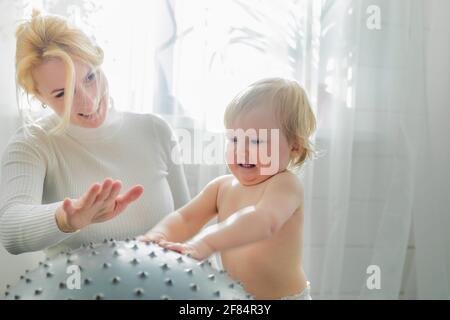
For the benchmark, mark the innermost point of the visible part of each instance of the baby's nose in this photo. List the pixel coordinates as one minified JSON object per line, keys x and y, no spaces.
{"x":244,"y":153}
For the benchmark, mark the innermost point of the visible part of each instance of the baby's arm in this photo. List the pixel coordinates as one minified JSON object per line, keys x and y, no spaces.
{"x":184,"y":223}
{"x":280,"y":200}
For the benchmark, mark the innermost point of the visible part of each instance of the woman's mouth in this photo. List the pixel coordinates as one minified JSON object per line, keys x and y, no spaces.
{"x":91,"y":116}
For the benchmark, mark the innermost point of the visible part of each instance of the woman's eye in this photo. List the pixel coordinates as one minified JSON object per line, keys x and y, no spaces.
{"x":90,"y":76}
{"x":59,"y":95}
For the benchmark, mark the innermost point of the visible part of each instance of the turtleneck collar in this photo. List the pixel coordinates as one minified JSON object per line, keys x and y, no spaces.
{"x":109,"y":127}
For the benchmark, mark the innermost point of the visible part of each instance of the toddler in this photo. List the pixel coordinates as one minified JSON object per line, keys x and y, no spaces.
{"x":260,"y":206}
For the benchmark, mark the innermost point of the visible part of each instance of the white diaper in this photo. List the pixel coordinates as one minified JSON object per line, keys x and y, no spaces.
{"x":304,"y":295}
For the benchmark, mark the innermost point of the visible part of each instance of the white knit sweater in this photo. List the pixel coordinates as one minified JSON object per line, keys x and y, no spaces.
{"x":39,"y":170}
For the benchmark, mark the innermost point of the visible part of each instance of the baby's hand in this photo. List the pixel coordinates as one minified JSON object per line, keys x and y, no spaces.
{"x":151,"y":236}
{"x":198,"y":250}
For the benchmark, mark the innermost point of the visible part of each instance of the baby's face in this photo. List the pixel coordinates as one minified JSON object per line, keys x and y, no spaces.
{"x":256,"y":146}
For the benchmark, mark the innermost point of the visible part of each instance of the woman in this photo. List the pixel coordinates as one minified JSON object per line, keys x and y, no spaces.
{"x":55,"y":188}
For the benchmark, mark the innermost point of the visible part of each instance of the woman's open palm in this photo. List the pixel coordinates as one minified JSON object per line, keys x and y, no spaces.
{"x":101,"y":203}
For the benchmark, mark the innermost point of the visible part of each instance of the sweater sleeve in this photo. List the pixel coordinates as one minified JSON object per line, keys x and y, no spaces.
{"x":26,"y":224}
{"x":171,"y":149}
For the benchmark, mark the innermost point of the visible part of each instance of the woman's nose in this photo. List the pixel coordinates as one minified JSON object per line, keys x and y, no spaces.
{"x":82,"y":101}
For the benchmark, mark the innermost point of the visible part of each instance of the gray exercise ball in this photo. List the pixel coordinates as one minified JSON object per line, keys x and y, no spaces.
{"x":125,"y":270}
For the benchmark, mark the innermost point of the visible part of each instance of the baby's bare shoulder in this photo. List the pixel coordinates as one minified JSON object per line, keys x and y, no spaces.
{"x":222,"y":181}
{"x":287,"y":181}
{"x":224,"y":184}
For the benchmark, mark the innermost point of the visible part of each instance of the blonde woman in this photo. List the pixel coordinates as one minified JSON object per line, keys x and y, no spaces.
{"x":58,"y":187}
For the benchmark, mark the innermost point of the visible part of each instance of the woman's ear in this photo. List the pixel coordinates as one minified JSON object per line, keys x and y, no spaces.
{"x":37,"y":95}
{"x":41,"y":100}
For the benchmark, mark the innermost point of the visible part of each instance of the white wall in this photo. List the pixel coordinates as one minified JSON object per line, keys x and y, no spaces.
{"x":438,"y":84}
{"x":11,"y":267}
{"x":437,"y":78}
{"x":437,"y":28}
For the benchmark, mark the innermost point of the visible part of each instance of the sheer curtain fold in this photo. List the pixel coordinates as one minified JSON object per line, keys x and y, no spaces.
{"x":362,"y":63}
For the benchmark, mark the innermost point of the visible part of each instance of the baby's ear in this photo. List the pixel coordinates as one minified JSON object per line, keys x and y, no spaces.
{"x":297,"y":147}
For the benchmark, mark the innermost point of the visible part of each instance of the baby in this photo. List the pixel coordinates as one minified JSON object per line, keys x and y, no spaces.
{"x":260,"y":206}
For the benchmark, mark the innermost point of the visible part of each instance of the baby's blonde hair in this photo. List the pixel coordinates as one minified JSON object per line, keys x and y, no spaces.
{"x":49,"y":36}
{"x":292,"y":109}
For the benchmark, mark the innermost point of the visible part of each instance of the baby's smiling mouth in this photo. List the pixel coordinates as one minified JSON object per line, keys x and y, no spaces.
{"x":246,"y":166}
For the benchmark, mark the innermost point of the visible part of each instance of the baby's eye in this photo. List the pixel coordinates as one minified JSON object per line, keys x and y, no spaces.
{"x":256,"y":141}
{"x":233,"y":139}
{"x":59,"y":95}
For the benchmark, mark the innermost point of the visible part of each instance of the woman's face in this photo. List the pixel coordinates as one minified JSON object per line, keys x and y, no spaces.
{"x":90,"y":97}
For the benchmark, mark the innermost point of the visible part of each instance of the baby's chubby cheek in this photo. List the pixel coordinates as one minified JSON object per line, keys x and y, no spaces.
{"x":229,"y":154}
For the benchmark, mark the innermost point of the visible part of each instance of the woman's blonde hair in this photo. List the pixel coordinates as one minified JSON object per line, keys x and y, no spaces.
{"x":49,"y":36}
{"x":292,"y":109}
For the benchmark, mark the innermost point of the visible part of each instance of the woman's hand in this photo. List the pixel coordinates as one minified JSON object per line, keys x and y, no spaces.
{"x":197,"y":250}
{"x":101,"y":203}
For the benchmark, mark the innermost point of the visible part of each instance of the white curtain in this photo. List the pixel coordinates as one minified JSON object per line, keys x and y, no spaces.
{"x":370,"y":193}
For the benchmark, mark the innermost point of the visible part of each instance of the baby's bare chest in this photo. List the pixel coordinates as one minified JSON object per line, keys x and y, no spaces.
{"x":234,"y":198}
